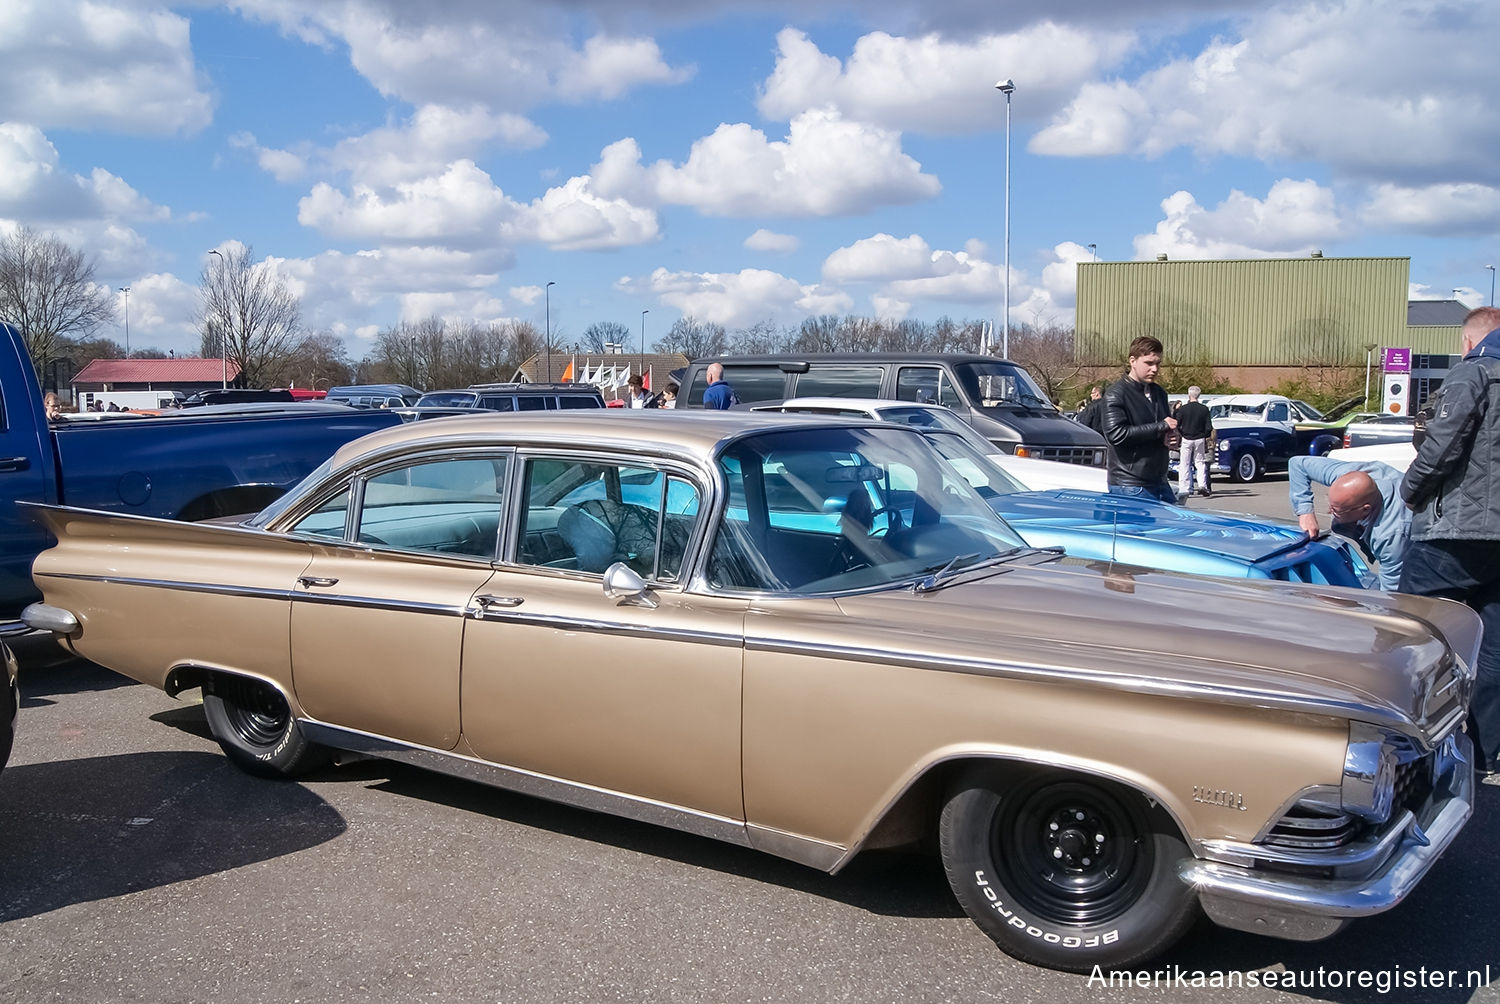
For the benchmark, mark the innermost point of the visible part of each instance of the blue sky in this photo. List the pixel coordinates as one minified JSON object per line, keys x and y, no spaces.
{"x":737,"y":161}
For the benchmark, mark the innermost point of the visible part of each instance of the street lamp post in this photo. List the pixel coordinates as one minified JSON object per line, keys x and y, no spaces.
{"x":223,"y":355}
{"x":1094,"y":250}
{"x":1492,"y":284}
{"x":1007,"y":87}
{"x":1369,"y":356}
{"x":547,"y":292}
{"x":126,"y":291}
{"x":643,"y":340}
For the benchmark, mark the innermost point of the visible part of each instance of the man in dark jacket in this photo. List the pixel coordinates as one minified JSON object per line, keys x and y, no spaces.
{"x":1196,"y":427}
{"x":1138,"y":426}
{"x":1453,"y":486}
{"x":1092,"y":414}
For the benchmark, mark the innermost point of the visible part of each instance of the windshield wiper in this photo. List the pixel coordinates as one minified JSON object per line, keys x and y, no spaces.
{"x":937,"y":574}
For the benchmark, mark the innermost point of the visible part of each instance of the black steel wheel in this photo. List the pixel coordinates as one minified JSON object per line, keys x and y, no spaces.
{"x":255,"y":728}
{"x":1066,"y":871}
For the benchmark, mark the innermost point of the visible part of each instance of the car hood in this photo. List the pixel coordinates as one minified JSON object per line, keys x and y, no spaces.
{"x":1076,"y":512}
{"x":1378,"y":657}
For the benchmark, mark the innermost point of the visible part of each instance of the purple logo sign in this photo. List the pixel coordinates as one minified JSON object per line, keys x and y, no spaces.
{"x":1397,"y":360}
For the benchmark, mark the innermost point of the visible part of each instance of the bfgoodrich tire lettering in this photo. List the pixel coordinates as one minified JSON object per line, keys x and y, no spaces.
{"x":1066,"y":871}
{"x":256,"y":730}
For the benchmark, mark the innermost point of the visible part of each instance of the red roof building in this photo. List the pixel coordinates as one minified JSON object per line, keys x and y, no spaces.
{"x":186,"y":375}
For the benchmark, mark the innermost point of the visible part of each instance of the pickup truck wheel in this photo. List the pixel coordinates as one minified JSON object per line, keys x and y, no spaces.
{"x":256,"y":730}
{"x":1247,"y":468}
{"x":1066,"y":871}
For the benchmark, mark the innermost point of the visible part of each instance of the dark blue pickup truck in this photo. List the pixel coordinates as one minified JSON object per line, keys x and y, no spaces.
{"x":189,"y":466}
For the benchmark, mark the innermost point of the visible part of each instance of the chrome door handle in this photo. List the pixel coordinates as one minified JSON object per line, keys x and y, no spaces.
{"x":485,"y":602}
{"x":14,"y":463}
{"x":316,"y":580}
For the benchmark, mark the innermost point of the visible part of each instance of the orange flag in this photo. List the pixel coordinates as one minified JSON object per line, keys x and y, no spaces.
{"x":567,"y":376}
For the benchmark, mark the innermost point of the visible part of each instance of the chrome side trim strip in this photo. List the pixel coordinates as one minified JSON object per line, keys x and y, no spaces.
{"x":1370,"y":851}
{"x":12,"y":629}
{"x":817,"y":854}
{"x":583,"y":796}
{"x":1132,"y":684}
{"x":613,"y":627}
{"x":222,"y":589}
{"x":218,"y":588}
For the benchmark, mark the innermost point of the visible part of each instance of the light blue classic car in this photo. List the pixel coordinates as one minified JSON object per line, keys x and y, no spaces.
{"x":1153,"y":534}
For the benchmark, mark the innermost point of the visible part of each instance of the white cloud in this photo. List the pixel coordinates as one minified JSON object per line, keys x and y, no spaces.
{"x":506,"y":57}
{"x":463,"y":208}
{"x":526,"y":294}
{"x":423,"y":144}
{"x":1296,"y":217}
{"x":95,"y":64}
{"x":772,"y":242}
{"x":933,"y":84}
{"x":879,"y":258}
{"x":34,"y":182}
{"x":1383,"y":91}
{"x":1060,"y":277}
{"x":738,"y":298}
{"x":825,"y":167}
{"x":1438,"y":209}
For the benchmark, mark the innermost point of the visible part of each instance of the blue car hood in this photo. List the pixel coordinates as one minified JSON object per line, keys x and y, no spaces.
{"x":1074,"y":512}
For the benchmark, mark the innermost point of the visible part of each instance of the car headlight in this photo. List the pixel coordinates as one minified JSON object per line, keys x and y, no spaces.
{"x":1223,"y":445}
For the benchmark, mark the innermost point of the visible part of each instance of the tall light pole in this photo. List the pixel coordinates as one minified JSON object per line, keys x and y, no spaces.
{"x":547,"y":292}
{"x":126,"y":291}
{"x":1007,"y":87}
{"x":1492,"y":284}
{"x":1094,"y":250}
{"x":223,"y":354}
{"x":1369,"y":356}
{"x":643,"y":339}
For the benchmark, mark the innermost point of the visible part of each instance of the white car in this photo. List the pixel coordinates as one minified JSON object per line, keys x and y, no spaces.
{"x":1035,"y":475}
{"x":1397,"y":455}
{"x":1261,"y":409}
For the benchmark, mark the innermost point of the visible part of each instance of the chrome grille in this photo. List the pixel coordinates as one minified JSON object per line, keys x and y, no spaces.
{"x":1413,"y":783}
{"x":1304,"y":829}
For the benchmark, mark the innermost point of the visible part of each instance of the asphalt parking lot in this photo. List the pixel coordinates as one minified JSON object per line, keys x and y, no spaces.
{"x":137,"y":864}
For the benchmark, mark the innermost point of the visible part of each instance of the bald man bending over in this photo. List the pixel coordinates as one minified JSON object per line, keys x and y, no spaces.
{"x":1364,"y":501}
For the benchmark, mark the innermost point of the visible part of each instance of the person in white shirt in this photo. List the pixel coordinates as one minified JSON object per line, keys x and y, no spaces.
{"x":635,"y":395}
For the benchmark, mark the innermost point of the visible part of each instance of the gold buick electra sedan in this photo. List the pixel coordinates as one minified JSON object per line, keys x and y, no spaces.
{"x":813,"y":637}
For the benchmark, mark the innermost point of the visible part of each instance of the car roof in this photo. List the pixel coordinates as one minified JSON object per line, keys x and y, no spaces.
{"x":869,"y":405}
{"x":685,"y":433}
{"x":1250,"y":399}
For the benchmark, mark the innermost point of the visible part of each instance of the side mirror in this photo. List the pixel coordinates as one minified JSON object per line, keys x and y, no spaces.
{"x":623,"y":583}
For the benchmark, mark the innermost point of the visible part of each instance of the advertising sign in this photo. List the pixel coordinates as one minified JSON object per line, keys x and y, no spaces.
{"x":1397,"y":361}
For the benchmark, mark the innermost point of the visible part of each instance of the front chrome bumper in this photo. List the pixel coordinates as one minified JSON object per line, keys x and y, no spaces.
{"x":1303,"y":908}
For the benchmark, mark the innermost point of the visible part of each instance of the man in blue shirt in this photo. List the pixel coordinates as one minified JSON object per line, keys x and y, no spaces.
{"x":1364,"y":500}
{"x":719,"y":395}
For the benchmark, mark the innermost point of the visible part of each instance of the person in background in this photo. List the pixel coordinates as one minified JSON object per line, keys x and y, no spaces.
{"x":53,"y":406}
{"x":1196,"y":426}
{"x":635,"y":391}
{"x":1092,"y":414}
{"x":668,"y":395}
{"x":719,"y":396}
{"x":1364,"y":501}
{"x":1139,"y":428}
{"x":1453,"y":489}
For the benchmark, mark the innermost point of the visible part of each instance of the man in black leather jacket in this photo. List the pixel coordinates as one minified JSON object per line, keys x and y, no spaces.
{"x":1139,"y":427}
{"x":1453,"y":486}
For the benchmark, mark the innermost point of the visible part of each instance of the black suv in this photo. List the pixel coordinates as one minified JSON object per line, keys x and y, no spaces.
{"x":516,"y":397}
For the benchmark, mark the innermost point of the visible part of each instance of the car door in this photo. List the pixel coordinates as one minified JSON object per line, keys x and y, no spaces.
{"x":378,"y":615}
{"x":634,"y":696}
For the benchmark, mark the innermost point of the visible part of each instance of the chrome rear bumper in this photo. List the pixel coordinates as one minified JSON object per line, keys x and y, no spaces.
{"x":1303,"y":908}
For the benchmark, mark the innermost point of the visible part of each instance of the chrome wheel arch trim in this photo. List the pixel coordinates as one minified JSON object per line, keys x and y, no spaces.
{"x":553,"y":789}
{"x":174,"y":683}
{"x":1015,"y":758}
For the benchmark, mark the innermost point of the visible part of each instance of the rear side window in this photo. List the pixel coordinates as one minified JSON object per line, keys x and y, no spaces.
{"x":838,"y":381}
{"x":577,"y":401}
{"x":441,"y":507}
{"x":498,"y":403}
{"x":750,"y":382}
{"x":531,"y":403}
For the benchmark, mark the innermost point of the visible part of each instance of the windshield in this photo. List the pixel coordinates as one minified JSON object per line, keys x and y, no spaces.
{"x":1000,"y":384}
{"x":1346,"y":408}
{"x":974,"y":466}
{"x":1230,"y":410}
{"x":824,"y":510}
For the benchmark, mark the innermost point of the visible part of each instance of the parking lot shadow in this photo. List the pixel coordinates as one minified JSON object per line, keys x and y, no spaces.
{"x":83,"y":830}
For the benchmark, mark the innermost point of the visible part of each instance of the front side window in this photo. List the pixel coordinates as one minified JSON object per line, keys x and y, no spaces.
{"x":584,"y":516}
{"x":328,"y":520}
{"x":1277,"y":412}
{"x":441,"y":506}
{"x":926,"y":385}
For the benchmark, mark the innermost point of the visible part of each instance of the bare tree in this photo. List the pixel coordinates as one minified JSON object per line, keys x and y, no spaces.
{"x":249,"y":314}
{"x":1045,"y":351}
{"x":602,"y":333}
{"x":694,"y":338}
{"x":320,"y":361}
{"x":761,"y":338}
{"x":47,"y":290}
